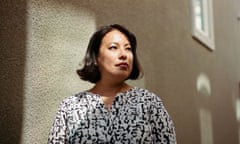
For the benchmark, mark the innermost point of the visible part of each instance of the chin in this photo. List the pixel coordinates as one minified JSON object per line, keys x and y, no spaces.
{"x":123,"y":76}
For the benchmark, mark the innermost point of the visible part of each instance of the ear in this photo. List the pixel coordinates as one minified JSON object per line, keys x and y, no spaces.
{"x":95,"y":63}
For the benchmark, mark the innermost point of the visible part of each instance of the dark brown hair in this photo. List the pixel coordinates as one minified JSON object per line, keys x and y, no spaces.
{"x":90,"y":71}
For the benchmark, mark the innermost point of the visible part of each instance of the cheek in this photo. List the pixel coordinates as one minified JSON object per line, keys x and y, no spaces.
{"x":106,"y":59}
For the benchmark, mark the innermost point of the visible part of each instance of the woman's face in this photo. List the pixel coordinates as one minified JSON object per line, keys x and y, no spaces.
{"x":115,"y":58}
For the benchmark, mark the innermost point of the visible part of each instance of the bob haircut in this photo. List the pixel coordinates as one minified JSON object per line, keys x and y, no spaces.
{"x":89,"y":71}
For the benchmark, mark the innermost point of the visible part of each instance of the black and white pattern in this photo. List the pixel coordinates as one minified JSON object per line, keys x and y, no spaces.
{"x":136,"y":117}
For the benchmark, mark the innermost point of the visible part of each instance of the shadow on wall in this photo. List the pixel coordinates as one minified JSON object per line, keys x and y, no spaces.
{"x":12,"y":61}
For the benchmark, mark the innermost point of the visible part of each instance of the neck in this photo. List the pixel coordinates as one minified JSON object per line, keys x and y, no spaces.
{"x":108,"y":89}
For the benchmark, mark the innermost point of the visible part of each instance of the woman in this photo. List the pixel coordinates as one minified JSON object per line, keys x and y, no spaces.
{"x":112,"y":112}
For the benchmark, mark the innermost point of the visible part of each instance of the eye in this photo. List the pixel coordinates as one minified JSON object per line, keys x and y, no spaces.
{"x":129,"y":48}
{"x":112,"y":47}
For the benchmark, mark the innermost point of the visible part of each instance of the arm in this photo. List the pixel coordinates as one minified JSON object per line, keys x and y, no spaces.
{"x":162,"y":125}
{"x":57,"y":133}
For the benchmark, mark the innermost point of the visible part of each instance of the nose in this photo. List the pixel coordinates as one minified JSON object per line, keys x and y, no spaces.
{"x":122,"y":54}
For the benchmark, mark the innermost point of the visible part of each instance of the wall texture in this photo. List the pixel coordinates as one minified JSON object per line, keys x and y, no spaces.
{"x":43,"y":42}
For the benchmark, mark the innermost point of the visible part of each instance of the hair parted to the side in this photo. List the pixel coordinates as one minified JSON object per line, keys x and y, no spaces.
{"x":89,"y":71}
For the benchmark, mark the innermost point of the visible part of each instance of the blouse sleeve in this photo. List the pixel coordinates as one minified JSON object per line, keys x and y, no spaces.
{"x":162,"y":125}
{"x":58,"y":131}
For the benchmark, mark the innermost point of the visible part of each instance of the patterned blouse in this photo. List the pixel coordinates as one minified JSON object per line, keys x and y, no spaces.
{"x":137,"y":116}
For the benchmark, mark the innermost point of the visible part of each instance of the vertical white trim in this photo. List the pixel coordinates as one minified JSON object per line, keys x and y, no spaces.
{"x":206,"y":35}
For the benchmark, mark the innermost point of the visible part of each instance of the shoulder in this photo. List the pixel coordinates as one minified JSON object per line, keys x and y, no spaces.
{"x":74,"y":98}
{"x":144,"y":94}
{"x":70,"y":102}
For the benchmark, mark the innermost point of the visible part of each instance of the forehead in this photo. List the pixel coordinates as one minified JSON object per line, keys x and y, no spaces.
{"x":115,"y":36}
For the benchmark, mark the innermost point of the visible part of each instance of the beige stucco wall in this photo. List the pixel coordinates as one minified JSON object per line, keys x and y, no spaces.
{"x":43,"y":42}
{"x":57,"y":37}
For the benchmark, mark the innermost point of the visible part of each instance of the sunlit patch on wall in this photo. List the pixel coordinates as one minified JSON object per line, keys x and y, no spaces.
{"x":206,"y":126}
{"x":236,"y":102}
{"x":203,"y":85}
{"x":238,"y":109}
{"x":57,"y":36}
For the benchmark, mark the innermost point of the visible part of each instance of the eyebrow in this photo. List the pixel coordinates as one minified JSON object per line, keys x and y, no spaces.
{"x":127,"y":44}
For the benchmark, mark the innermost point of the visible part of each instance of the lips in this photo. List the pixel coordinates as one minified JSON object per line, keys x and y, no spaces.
{"x":122,"y":65}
